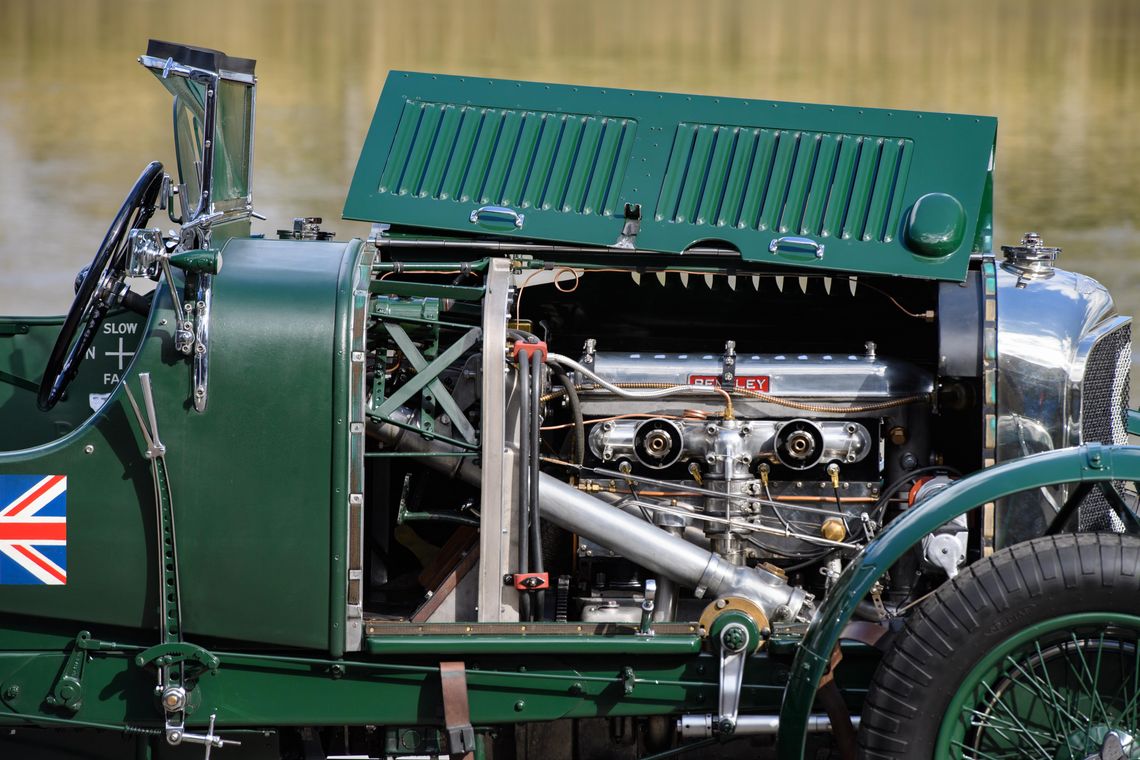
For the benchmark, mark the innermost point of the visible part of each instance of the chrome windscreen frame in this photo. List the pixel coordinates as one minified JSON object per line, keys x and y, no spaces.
{"x":208,"y":211}
{"x":200,"y":217}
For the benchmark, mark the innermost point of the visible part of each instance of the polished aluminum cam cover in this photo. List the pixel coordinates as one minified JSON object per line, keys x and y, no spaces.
{"x":804,"y":376}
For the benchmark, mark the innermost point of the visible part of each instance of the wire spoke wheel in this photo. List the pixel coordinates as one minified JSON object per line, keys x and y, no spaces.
{"x":1031,"y":653}
{"x":1066,"y":689}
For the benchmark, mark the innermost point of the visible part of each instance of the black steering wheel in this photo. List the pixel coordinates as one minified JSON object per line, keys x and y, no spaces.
{"x":102,"y":287}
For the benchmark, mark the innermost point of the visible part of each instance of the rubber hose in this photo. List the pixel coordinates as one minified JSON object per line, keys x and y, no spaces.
{"x":575,"y":412}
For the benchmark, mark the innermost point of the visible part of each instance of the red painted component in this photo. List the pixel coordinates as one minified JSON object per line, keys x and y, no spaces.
{"x":529,"y":349}
{"x":918,"y":484}
{"x":757,"y":383}
{"x":531,"y":581}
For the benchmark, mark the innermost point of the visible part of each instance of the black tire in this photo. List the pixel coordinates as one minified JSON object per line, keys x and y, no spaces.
{"x":1017,"y":590}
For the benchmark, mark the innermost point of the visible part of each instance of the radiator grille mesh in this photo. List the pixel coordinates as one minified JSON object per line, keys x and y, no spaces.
{"x":1104,"y":409}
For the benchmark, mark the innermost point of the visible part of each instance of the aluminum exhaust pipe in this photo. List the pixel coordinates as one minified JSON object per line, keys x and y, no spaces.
{"x":635,"y":539}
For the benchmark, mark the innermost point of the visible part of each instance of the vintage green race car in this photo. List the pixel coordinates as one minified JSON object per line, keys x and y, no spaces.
{"x":641,"y":425}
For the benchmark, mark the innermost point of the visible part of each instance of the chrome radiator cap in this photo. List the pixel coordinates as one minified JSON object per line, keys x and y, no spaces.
{"x":1031,"y":259}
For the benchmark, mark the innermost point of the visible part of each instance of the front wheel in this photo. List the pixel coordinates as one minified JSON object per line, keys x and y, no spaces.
{"x":1030,"y":653}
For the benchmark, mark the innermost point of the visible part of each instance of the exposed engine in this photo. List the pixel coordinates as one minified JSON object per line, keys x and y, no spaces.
{"x":785,"y":470}
{"x":667,"y":477}
{"x":766,"y":462}
{"x":744,"y":441}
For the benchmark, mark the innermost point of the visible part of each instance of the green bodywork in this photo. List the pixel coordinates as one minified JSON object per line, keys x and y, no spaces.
{"x":247,"y":535}
{"x":25,"y":343}
{"x":1091,"y":463}
{"x":267,"y":483}
{"x":238,"y":522}
{"x":888,"y":192}
{"x":255,"y":688}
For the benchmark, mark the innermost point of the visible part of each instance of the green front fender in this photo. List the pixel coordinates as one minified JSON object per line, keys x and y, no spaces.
{"x":1085,"y":463}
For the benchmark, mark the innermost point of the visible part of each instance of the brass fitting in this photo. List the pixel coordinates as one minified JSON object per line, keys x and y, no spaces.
{"x":833,"y":529}
{"x":695,"y":472}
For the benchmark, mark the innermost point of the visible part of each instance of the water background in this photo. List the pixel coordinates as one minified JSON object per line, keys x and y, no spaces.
{"x":79,"y":117}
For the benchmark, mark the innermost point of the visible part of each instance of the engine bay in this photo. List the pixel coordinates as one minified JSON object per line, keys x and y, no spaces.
{"x":772,"y":422}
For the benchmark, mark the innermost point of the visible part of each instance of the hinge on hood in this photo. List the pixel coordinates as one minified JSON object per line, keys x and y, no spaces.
{"x":632,"y":226}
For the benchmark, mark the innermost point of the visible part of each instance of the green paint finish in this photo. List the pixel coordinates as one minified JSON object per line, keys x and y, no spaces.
{"x":936,"y":225}
{"x":734,"y":172}
{"x":757,"y":181}
{"x":505,"y":156}
{"x":253,"y":545}
{"x":434,"y":290}
{"x":203,"y":261}
{"x":843,"y":177}
{"x":261,"y":690}
{"x":859,"y":198}
{"x":775,"y":189}
{"x":25,"y":343}
{"x":791,"y":217}
{"x":1073,"y":465}
{"x":253,"y":688}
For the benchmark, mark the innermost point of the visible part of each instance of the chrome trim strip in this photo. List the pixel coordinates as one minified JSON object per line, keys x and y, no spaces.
{"x":989,"y":320}
{"x":354,"y":538}
{"x":201,"y":369}
{"x":167,"y":66}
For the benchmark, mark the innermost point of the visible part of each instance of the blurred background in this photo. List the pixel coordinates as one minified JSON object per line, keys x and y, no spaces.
{"x":79,"y":117}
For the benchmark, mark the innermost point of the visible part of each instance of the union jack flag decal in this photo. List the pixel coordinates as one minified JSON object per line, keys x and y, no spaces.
{"x":33,"y":529}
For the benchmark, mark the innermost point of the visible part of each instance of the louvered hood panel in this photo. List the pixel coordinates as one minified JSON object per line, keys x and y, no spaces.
{"x":858,"y":190}
{"x":791,"y":182}
{"x":572,"y":163}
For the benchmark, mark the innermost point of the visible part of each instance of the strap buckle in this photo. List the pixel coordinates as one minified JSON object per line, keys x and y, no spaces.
{"x":456,"y":711}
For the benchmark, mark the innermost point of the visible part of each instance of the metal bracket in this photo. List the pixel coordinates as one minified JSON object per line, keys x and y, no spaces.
{"x":175,"y":735}
{"x":67,"y":691}
{"x":172,"y":655}
{"x":201,"y":346}
{"x":628,"y":680}
{"x":728,"y":366}
{"x":192,"y":334}
{"x":182,"y":652}
{"x":734,"y":641}
{"x":170,"y":623}
{"x":628,"y":237}
{"x":647,"y":605}
{"x":427,"y":376}
{"x":1094,"y":459}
